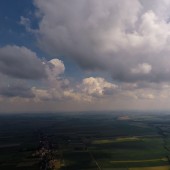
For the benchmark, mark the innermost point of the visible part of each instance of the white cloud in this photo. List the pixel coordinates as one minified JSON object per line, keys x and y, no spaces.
{"x":96,"y":86}
{"x":57,"y":67}
{"x":143,"y":68}
{"x":54,"y":69}
{"x":55,"y":85}
{"x":131,"y":45}
{"x":106,"y":35}
{"x":89,"y":89}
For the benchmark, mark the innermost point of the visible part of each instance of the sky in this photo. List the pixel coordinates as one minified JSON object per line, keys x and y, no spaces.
{"x":84,"y":55}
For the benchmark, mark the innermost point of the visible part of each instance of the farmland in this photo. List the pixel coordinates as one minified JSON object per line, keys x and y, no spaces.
{"x":85,"y":141}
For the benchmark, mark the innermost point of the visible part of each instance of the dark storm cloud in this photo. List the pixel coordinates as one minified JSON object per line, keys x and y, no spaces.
{"x":16,"y":91}
{"x":131,"y":45}
{"x":20,"y":62}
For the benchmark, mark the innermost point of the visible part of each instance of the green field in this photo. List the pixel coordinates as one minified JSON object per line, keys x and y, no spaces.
{"x":87,"y":141}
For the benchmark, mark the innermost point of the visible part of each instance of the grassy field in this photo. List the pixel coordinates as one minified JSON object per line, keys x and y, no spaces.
{"x":87,"y":141}
{"x":152,"y":168}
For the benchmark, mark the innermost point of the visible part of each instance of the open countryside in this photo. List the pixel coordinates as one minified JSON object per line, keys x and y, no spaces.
{"x":85,"y":141}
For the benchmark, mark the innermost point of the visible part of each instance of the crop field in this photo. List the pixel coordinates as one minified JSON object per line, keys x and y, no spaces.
{"x":85,"y":141}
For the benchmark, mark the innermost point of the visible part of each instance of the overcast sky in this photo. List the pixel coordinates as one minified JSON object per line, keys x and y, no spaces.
{"x":76,"y":55}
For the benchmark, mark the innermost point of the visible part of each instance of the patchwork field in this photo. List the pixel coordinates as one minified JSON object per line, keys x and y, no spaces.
{"x":86,"y":141}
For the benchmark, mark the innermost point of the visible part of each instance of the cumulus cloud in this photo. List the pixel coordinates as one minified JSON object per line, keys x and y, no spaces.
{"x":86,"y":91}
{"x":101,"y":35}
{"x":20,"y":62}
{"x":24,"y":75}
{"x":55,"y":86}
{"x":20,"y":67}
{"x":96,"y":86}
{"x":54,"y":69}
{"x":106,"y":35}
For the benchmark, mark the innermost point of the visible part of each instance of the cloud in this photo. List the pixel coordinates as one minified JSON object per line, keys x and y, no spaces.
{"x":143,"y":68}
{"x":55,"y":86}
{"x":20,"y":67}
{"x":54,"y":69}
{"x":87,"y":91}
{"x":16,"y":91}
{"x":130,"y":46}
{"x":20,"y":62}
{"x":96,"y":86}
{"x":26,"y":23}
{"x":149,"y":96}
{"x":106,"y":35}
{"x":41,"y":94}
